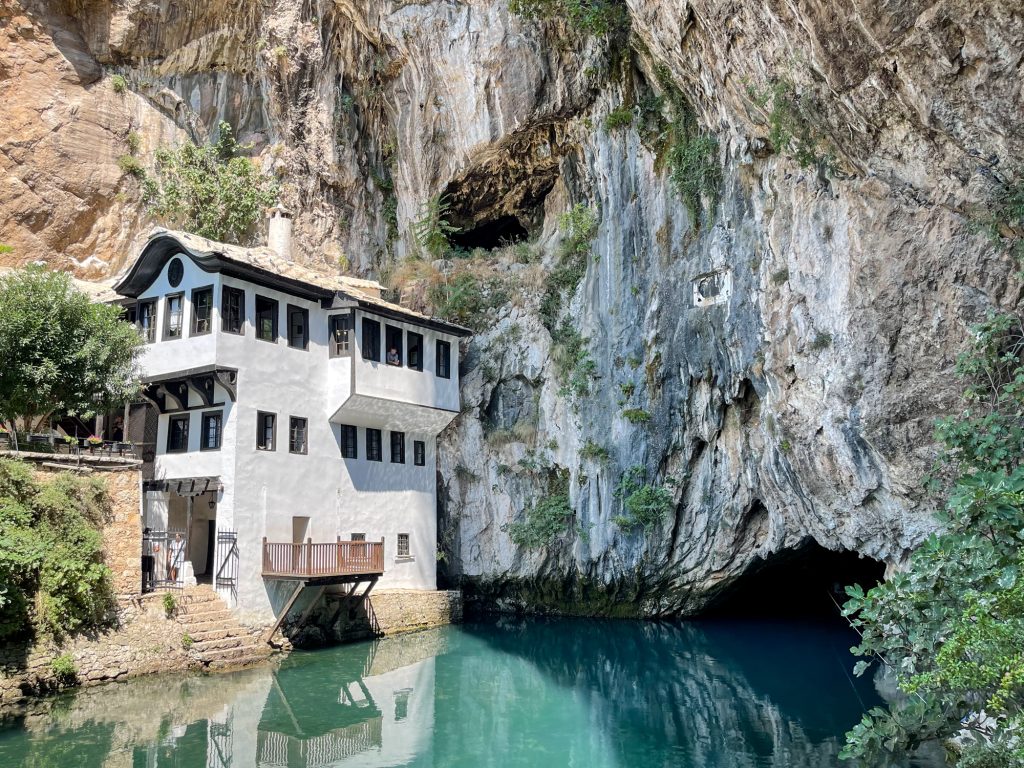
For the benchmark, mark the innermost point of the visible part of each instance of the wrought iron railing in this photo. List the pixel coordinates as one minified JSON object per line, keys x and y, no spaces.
{"x":163,"y":559}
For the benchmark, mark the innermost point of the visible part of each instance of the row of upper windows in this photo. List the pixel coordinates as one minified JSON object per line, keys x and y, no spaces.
{"x":402,"y":347}
{"x":374,"y":447}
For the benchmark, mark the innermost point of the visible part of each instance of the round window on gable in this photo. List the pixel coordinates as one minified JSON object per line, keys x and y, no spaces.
{"x":175,"y":272}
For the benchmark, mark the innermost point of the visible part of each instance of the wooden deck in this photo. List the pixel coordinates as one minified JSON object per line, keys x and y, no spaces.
{"x":338,"y":561}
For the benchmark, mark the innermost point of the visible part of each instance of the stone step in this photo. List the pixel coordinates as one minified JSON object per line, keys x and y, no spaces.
{"x":227,"y":653}
{"x":192,"y":619}
{"x":241,"y":661}
{"x":201,"y":626}
{"x":231,"y":641}
{"x":203,"y":635}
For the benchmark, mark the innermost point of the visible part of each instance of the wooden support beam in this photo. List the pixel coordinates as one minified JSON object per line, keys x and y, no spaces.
{"x":287,"y":607}
{"x":312,"y":604}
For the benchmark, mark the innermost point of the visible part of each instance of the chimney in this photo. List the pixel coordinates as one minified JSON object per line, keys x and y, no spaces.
{"x":279,"y":231}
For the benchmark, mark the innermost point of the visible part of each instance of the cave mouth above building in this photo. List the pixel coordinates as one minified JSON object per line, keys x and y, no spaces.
{"x":495,"y":233}
{"x":806,"y":582}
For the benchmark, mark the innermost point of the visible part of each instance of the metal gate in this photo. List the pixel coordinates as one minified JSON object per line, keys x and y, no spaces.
{"x":226,"y":575}
{"x":163,"y":559}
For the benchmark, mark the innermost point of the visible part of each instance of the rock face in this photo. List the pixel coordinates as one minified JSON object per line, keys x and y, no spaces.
{"x":791,"y":398}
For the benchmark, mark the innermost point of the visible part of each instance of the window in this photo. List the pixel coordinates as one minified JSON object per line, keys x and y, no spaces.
{"x":213,"y":426}
{"x":349,"y":448}
{"x":371,"y":339}
{"x":373,"y":445}
{"x":266,"y":319}
{"x":172,"y":316}
{"x":146,"y":320}
{"x":296,"y":435}
{"x":444,"y":360}
{"x":416,"y":351}
{"x":232,"y":310}
{"x":393,"y":337}
{"x":266,"y":424}
{"x":202,"y":311}
{"x":298,"y":327}
{"x":131,"y":314}
{"x":398,"y":447}
{"x":177,"y":433}
{"x":358,"y":537}
{"x":339,"y":341}
{"x":403,"y":545}
{"x":419,"y":453}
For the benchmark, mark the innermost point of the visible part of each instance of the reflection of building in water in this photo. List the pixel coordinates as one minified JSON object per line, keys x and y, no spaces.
{"x":357,"y":711}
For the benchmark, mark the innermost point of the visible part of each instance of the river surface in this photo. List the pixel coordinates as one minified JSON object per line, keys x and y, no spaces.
{"x":503,"y":692}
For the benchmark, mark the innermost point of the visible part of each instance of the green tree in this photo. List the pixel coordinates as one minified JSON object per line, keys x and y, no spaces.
{"x":61,"y":351}
{"x":950,"y":627}
{"x":212,"y":190}
{"x":432,"y":228}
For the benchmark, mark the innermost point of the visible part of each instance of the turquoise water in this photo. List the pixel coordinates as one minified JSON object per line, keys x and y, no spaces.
{"x":506,"y":692}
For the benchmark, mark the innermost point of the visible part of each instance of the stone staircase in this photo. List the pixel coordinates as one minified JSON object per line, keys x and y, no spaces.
{"x":218,"y":640}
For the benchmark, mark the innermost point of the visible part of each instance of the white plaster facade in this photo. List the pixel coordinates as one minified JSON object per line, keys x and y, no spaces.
{"x":279,"y":494}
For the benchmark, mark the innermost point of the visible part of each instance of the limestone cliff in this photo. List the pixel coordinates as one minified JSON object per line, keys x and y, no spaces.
{"x":855,"y":140}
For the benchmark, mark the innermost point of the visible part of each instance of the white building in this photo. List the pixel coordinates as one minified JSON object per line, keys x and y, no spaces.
{"x":290,"y":412}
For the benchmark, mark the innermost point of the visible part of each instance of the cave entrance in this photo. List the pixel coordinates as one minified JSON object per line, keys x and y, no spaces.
{"x":807,"y":582}
{"x":504,"y":230}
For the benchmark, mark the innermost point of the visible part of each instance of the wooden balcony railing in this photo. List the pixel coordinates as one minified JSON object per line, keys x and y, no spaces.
{"x":309,"y":560}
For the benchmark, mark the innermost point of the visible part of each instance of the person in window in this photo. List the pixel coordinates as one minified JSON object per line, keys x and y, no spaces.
{"x":393,"y":358}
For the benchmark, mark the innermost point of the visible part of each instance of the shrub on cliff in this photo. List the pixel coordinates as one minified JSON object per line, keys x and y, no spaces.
{"x":52,"y":576}
{"x":211,"y":191}
{"x":951,"y":626}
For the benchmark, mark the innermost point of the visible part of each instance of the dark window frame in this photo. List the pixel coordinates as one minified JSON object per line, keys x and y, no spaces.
{"x":370,"y":333}
{"x":276,"y":318}
{"x":295,"y":429}
{"x":193,"y":325}
{"x":357,"y":536}
{"x":261,"y":431}
{"x":349,"y":442}
{"x":374,"y":447}
{"x":414,"y":341}
{"x":148,"y":333}
{"x":340,"y":347}
{"x":167,"y":316}
{"x":446,"y":357}
{"x":290,"y":311}
{"x":406,"y":539}
{"x":398,"y":447}
{"x":419,"y":453}
{"x":226,"y":311}
{"x":204,"y":432}
{"x":393,"y":333}
{"x":180,"y":418}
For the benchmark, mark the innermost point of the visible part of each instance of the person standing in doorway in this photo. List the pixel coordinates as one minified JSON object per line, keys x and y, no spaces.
{"x":175,"y":556}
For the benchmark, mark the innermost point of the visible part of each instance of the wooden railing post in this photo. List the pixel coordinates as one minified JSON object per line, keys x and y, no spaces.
{"x":266,"y":556}
{"x":309,"y":557}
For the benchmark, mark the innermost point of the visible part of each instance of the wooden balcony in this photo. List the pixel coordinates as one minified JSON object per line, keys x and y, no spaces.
{"x":337,"y":561}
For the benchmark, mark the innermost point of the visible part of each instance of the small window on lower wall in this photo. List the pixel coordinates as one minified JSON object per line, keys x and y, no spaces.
{"x":177,"y":433}
{"x":213,"y":426}
{"x":419,"y":453}
{"x":349,"y":446}
{"x":398,"y":447}
{"x":373,"y":447}
{"x":358,"y":537}
{"x":403,"y":545}
{"x":296,"y":435}
{"x":266,"y":439}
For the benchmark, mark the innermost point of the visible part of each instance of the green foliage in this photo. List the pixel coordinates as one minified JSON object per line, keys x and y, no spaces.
{"x":61,"y":351}
{"x":4,"y":248}
{"x":791,"y":117}
{"x":598,"y":18}
{"x":131,"y":166}
{"x":432,"y":228}
{"x":119,"y":84}
{"x":636,"y":415}
{"x":620,"y":117}
{"x":1002,"y":217}
{"x":574,"y":366}
{"x":134,"y":141}
{"x":591,"y":451}
{"x":52,"y":576}
{"x":780,"y":276}
{"x":821,"y":340}
{"x":212,"y":190}
{"x":644,"y":505}
{"x":547,"y":520}
{"x":169,"y":603}
{"x":951,"y":626}
{"x":580,"y":225}
{"x":64,"y":669}
{"x":187,"y":641}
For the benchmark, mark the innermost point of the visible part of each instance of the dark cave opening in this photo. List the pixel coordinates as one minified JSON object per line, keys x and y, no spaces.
{"x":504,"y":230}
{"x":807,"y":582}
